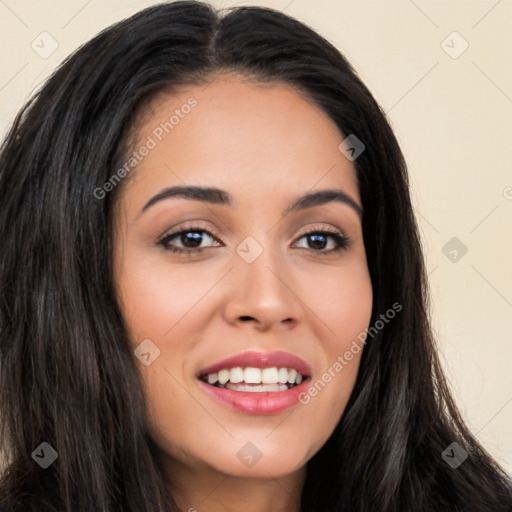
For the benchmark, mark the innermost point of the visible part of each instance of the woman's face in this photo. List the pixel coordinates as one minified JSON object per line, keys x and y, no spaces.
{"x":253,"y":283}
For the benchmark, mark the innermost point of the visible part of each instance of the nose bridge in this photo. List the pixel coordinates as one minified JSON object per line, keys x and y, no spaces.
{"x":259,"y":265}
{"x":262,"y":289}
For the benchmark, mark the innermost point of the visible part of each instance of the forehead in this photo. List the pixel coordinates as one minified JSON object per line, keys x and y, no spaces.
{"x":248,"y":137}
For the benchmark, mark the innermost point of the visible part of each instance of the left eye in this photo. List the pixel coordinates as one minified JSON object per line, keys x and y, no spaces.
{"x":320,"y":238}
{"x":191,"y":239}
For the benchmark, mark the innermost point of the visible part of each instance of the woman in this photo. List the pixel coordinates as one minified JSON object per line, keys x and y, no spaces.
{"x":289,"y":365}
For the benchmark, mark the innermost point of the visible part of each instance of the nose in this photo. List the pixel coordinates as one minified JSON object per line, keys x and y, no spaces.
{"x":262,"y":293}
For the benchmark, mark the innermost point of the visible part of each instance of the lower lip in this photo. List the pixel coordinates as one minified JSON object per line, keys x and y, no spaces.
{"x":265,"y":402}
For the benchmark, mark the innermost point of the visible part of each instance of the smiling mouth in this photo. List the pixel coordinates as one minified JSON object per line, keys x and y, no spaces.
{"x":255,"y":380}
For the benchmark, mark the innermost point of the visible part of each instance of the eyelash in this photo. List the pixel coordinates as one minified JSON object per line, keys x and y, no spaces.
{"x":341,"y":240}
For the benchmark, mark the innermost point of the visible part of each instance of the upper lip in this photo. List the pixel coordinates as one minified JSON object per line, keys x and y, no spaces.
{"x":255,"y":359}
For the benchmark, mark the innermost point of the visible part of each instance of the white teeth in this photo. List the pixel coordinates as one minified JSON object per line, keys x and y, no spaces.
{"x":273,"y":378}
{"x":237,"y":375}
{"x":269,"y":376}
{"x":252,"y":375}
{"x":292,"y":375}
{"x":283,"y":375}
{"x":256,"y":389}
{"x":223,"y":376}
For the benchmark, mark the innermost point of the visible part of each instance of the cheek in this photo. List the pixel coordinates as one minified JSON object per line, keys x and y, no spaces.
{"x":156,"y":298}
{"x":342,"y":300}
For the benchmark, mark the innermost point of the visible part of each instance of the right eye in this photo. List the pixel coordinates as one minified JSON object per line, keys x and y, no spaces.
{"x":193,"y":235}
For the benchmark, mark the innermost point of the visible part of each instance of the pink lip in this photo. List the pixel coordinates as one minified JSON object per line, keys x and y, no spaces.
{"x":264,"y":402}
{"x":256,"y":403}
{"x":260,"y":360}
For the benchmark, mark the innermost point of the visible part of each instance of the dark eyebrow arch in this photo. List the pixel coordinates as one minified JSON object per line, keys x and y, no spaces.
{"x":322,"y":197}
{"x":217,"y":196}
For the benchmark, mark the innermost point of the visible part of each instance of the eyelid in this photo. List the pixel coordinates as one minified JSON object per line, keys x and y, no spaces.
{"x":189,"y":226}
{"x":197,"y":226}
{"x":202,"y":226}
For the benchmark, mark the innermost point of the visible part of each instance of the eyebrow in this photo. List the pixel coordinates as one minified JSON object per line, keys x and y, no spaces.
{"x":217,"y":196}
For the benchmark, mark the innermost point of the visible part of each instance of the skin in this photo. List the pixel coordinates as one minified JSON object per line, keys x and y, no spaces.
{"x":266,"y":145}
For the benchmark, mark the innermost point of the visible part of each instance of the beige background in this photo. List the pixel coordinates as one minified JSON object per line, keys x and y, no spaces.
{"x":453,"y":118}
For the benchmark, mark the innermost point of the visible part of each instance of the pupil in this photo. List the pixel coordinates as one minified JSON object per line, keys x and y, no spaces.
{"x":316,"y":241}
{"x":195,"y":237}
